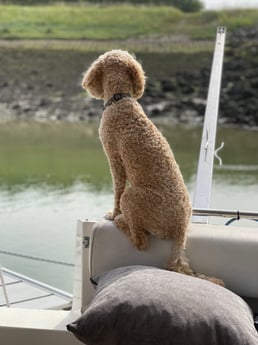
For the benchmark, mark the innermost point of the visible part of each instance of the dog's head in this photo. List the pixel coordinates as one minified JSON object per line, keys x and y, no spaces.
{"x":111,"y":65}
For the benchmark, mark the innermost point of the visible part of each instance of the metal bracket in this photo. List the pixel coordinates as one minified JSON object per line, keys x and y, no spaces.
{"x":86,"y":241}
{"x":216,"y":153}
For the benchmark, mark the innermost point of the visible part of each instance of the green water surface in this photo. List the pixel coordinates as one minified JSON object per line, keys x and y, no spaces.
{"x":52,"y":174}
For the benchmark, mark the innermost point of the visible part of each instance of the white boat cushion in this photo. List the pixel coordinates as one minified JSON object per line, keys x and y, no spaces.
{"x":142,"y":305}
{"x":225,"y":252}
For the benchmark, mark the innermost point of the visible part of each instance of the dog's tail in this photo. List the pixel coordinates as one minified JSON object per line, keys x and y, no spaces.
{"x":178,"y":262}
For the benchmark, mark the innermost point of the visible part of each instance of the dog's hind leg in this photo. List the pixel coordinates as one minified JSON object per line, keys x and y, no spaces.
{"x":122,"y":225}
{"x":136,"y":235}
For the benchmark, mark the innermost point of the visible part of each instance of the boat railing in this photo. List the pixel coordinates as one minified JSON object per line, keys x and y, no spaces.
{"x":7,"y":303}
{"x":232,"y":214}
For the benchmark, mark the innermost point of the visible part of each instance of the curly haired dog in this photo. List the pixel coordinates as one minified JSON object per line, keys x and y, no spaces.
{"x":156,"y":200}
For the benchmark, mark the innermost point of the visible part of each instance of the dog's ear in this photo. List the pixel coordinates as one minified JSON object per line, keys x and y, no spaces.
{"x":93,"y":80}
{"x":137,"y":76}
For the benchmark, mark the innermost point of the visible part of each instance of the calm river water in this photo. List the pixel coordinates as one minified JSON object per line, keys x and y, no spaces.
{"x":53,"y":174}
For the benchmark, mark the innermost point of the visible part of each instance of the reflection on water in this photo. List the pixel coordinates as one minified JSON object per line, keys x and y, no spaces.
{"x":41,"y":222}
{"x":53,"y":174}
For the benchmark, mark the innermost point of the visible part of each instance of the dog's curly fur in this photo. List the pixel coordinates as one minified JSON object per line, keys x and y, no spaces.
{"x":156,"y":200}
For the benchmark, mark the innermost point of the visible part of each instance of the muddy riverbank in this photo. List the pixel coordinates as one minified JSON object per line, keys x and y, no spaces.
{"x":45,"y":84}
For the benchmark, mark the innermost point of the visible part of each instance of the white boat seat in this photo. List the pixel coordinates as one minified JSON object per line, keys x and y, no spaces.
{"x":34,"y":326}
{"x":229,"y":253}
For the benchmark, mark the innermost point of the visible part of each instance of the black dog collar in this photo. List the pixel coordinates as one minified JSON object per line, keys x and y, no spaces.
{"x":116,"y":97}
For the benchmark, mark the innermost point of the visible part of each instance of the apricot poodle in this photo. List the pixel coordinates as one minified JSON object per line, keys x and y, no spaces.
{"x":155,"y":200}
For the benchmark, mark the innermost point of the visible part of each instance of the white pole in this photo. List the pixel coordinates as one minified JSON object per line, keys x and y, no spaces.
{"x":203,"y":186}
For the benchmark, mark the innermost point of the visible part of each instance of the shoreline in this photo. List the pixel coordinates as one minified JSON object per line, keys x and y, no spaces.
{"x":141,"y":44}
{"x":42,"y":81}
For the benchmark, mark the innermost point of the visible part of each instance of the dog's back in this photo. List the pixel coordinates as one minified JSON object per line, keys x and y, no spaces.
{"x":145,"y":154}
{"x":143,"y":150}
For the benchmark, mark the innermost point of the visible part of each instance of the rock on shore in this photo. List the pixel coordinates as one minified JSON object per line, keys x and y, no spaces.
{"x":46,"y":85}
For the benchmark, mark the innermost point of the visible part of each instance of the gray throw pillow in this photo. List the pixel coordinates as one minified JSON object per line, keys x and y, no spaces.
{"x":138,"y":305}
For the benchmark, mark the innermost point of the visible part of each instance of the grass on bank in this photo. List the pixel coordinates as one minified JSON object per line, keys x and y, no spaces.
{"x":99,"y":22}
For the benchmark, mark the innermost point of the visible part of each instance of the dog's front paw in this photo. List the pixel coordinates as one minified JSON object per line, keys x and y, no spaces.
{"x":111,"y":215}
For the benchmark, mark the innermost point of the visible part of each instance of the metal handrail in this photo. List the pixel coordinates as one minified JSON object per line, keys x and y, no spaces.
{"x":238,"y":214}
{"x":36,"y":258}
{"x":4,"y":288}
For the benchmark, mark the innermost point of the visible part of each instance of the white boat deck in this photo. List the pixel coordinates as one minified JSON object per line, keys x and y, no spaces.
{"x":23,"y":292}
